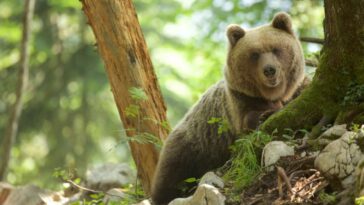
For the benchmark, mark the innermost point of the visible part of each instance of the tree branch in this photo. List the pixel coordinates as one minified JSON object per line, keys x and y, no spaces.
{"x":312,"y":40}
{"x":311,"y":63}
{"x":12,"y":127}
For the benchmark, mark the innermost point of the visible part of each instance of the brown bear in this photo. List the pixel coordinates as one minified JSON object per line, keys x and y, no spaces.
{"x":264,"y":68}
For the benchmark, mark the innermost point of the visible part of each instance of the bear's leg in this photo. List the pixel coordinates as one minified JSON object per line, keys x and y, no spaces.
{"x":176,"y":165}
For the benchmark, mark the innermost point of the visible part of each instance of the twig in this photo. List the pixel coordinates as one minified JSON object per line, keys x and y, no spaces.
{"x":302,"y":171}
{"x":283,"y":176}
{"x":312,"y":40}
{"x":309,"y":182}
{"x":89,"y":190}
{"x":83,"y":188}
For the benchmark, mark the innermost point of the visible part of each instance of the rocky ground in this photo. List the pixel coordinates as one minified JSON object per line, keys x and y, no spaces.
{"x":326,"y":170}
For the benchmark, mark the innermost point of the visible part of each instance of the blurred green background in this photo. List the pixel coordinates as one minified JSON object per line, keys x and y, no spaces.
{"x":69,"y":118}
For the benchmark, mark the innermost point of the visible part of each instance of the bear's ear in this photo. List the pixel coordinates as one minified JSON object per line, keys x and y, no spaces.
{"x":234,"y":33}
{"x":283,"y":21}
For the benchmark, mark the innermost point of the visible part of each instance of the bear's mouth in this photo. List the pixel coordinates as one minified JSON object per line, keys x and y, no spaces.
{"x":272,"y":82}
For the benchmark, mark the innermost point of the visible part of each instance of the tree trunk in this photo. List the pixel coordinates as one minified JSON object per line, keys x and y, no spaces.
{"x":13,"y":123}
{"x":121,"y":45}
{"x":340,"y":70}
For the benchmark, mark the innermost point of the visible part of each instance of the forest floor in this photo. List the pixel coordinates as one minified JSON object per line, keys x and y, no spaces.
{"x":293,"y":181}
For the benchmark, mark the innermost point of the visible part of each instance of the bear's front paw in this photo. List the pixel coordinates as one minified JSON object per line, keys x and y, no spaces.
{"x":265,"y":115}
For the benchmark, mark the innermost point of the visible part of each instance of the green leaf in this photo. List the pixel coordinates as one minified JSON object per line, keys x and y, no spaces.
{"x":223,"y":127}
{"x":190,"y":180}
{"x":138,"y":94}
{"x":77,"y":181}
{"x":132,"y":110}
{"x":165,"y":125}
{"x":359,"y":200}
{"x":214,"y":120}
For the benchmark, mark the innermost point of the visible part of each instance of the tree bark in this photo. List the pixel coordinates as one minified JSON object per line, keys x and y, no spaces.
{"x":13,"y":123}
{"x":122,"y":46}
{"x":341,"y":65}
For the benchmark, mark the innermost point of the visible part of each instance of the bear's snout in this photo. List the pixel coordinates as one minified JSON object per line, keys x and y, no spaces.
{"x":269,"y":71}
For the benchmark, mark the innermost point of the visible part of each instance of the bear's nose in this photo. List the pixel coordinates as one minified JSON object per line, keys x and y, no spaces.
{"x":269,"y":71}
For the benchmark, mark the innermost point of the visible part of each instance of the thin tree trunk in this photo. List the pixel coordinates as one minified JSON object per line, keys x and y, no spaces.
{"x":341,"y":64}
{"x":13,"y":123}
{"x":122,"y":46}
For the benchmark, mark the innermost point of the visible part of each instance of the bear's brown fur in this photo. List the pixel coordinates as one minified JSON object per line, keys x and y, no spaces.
{"x":264,"y":67}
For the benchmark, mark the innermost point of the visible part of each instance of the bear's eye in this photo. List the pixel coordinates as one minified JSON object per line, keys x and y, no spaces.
{"x":254,"y":56}
{"x":276,"y":51}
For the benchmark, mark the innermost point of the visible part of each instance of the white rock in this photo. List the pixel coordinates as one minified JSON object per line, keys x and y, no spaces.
{"x":144,"y":202}
{"x":28,"y":194}
{"x":58,"y":199}
{"x":359,"y":174}
{"x":339,"y":159}
{"x":204,"y":195}
{"x":336,"y":130}
{"x":331,"y":134}
{"x":273,"y":151}
{"x":113,"y":195}
{"x":212,"y":179}
{"x":108,"y":176}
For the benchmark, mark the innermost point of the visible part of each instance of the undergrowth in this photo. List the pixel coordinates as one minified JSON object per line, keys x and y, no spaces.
{"x":245,"y":165}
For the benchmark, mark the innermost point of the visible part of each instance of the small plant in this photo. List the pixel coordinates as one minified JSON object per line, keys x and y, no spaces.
{"x":244,"y":163}
{"x":288,"y":134}
{"x":145,"y":138}
{"x":65,"y":175}
{"x":138,"y":94}
{"x":133,"y":111}
{"x":188,"y":184}
{"x":327,"y":198}
{"x":355,"y":128}
{"x":359,"y":200}
{"x":191,"y":180}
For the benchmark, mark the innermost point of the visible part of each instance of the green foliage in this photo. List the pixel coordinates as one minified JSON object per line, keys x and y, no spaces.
{"x":132,"y":196}
{"x":244,"y":163}
{"x":60,"y":173}
{"x":354,"y":95}
{"x":223,"y":124}
{"x":288,"y":134}
{"x":132,"y":111}
{"x":165,"y":125}
{"x":137,"y":94}
{"x":146,"y":138}
{"x":355,"y":128}
{"x":96,"y":199}
{"x":64,"y":175}
{"x":327,"y":198}
{"x":191,"y":180}
{"x":359,"y":200}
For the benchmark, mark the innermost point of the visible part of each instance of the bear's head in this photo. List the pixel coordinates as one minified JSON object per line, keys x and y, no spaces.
{"x":266,"y":61}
